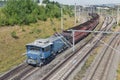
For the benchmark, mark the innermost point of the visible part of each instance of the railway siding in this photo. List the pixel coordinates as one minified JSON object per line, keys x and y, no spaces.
{"x":101,"y":66}
{"x":81,"y":72}
{"x":111,"y":73}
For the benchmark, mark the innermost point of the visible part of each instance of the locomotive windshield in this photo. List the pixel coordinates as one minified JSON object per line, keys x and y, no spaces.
{"x":34,"y":48}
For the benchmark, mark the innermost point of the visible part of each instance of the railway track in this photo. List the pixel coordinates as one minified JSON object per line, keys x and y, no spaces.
{"x":110,"y":61}
{"x":15,"y":73}
{"x":65,"y":68}
{"x":101,"y":65}
{"x":21,"y":71}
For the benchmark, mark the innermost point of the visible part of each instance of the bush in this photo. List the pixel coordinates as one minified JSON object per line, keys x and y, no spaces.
{"x":14,"y":35}
{"x":54,"y":29}
{"x":37,"y":31}
{"x":21,"y":12}
{"x":53,"y":11}
{"x":43,"y":17}
{"x":46,"y":1}
{"x":23,"y":30}
{"x":119,"y":24}
{"x":34,"y":30}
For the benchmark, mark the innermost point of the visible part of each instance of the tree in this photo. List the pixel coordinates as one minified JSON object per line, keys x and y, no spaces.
{"x":46,"y":1}
{"x":18,"y":12}
{"x":21,"y":11}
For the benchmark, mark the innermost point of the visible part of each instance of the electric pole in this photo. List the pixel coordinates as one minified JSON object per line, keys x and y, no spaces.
{"x":61,"y":18}
{"x":75,"y":13}
{"x":79,"y":12}
{"x":118,"y":15}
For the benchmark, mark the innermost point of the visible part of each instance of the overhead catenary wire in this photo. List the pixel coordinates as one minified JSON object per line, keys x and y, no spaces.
{"x":89,"y":31}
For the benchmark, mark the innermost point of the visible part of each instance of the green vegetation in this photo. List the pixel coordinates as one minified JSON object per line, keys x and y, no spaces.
{"x":46,"y":1}
{"x":19,"y":12}
{"x":118,"y":73}
{"x":119,"y":24}
{"x":14,"y":35}
{"x":68,"y":10}
{"x":24,"y":12}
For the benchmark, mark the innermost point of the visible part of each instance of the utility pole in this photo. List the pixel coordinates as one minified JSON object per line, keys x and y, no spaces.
{"x":94,"y":9}
{"x":88,"y":9}
{"x":75,"y":13}
{"x":118,"y":15}
{"x":91,"y":9}
{"x":112,"y":13}
{"x":61,"y":18}
{"x":98,"y":11}
{"x":80,"y":11}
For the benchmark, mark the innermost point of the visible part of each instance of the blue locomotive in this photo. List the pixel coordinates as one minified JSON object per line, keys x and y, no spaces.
{"x":40,"y":50}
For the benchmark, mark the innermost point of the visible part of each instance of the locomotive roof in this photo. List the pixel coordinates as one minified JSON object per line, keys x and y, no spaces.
{"x":40,"y":43}
{"x":44,"y":42}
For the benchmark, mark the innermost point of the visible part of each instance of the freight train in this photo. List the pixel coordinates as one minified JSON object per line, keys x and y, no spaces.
{"x":41,"y":50}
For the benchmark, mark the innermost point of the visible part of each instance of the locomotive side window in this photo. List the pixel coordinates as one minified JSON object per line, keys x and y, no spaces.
{"x":46,"y":49}
{"x":43,"y":49}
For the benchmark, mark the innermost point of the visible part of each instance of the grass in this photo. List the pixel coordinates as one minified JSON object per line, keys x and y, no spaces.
{"x":117,"y":28}
{"x":11,"y":49}
{"x":118,"y":73}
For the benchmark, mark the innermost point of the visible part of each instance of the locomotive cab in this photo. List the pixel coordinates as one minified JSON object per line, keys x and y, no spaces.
{"x":38,"y":51}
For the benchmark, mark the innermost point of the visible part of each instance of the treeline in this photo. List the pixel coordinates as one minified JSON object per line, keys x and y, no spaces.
{"x":24,"y":12}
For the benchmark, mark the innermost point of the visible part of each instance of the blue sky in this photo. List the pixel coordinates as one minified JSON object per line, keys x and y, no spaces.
{"x":87,"y":2}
